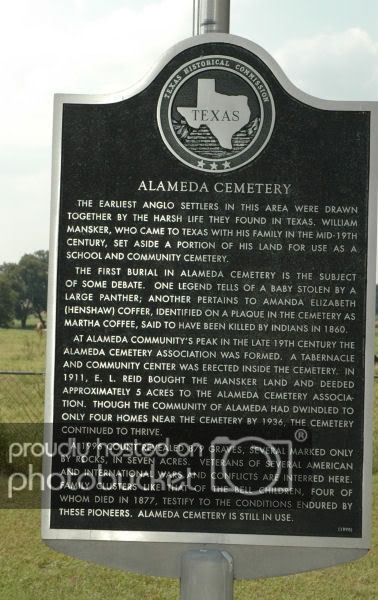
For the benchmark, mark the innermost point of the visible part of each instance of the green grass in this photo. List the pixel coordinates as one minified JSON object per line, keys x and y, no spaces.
{"x":22,"y":350}
{"x":21,"y":398}
{"x":29,"y":570}
{"x":375,"y":432}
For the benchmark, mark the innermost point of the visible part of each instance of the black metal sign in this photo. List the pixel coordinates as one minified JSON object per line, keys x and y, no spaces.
{"x":211,"y":300}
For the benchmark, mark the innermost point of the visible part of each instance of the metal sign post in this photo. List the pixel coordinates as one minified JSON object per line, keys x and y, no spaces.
{"x":208,"y":574}
{"x":211,"y":16}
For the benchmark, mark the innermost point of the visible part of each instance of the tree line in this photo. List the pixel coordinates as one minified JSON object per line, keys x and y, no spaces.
{"x":23,"y":289}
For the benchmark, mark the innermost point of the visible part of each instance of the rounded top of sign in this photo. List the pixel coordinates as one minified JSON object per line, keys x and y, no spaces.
{"x":216,"y":113}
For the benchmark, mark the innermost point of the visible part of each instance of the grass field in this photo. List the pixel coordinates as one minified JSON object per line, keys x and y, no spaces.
{"x":21,"y":350}
{"x":29,"y":570}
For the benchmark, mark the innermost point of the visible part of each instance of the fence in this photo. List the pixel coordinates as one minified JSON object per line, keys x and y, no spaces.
{"x":21,"y":396}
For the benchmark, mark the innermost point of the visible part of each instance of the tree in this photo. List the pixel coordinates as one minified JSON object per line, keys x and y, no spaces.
{"x":33,"y":271}
{"x":23,"y":307}
{"x":7,"y":303}
{"x":28,"y":280}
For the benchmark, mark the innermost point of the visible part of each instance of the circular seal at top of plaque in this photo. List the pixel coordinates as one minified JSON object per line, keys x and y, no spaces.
{"x":216,"y":113}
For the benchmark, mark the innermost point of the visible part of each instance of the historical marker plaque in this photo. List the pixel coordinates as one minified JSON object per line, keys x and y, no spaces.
{"x":211,"y":315}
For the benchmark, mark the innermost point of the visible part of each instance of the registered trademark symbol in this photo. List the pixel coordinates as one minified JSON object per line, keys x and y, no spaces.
{"x":301,"y":435}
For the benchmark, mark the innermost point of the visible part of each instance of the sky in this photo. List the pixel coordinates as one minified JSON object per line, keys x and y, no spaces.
{"x":327,"y":48}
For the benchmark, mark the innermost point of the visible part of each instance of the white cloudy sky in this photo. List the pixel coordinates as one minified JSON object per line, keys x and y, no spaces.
{"x":329,"y":48}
